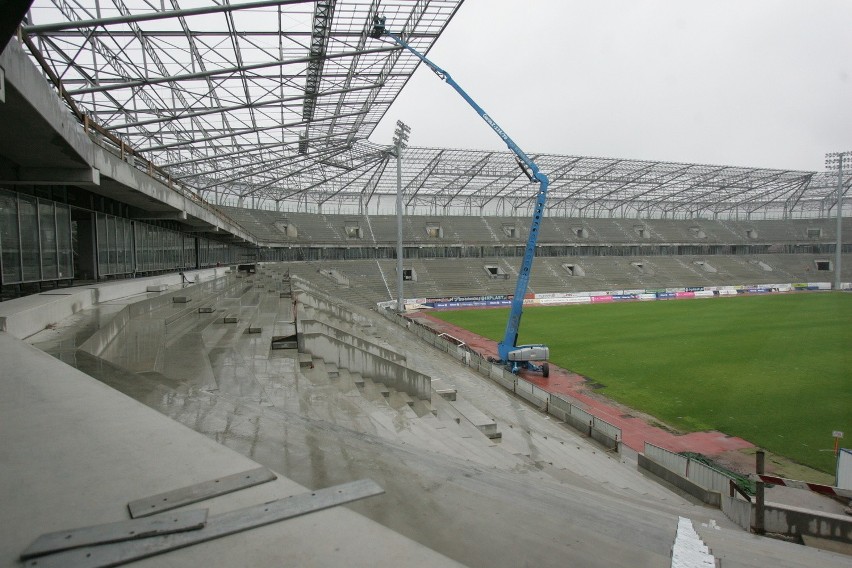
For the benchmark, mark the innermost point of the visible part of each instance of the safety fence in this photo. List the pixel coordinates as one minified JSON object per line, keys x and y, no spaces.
{"x":556,"y":405}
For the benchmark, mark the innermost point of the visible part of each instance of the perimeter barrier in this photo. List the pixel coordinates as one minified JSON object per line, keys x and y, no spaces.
{"x":558,"y":406}
{"x":699,"y":473}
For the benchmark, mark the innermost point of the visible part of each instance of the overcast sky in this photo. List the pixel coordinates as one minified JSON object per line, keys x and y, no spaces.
{"x":762,"y":83}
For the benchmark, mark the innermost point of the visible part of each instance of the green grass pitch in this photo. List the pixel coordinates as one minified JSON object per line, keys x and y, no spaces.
{"x":775,"y":370}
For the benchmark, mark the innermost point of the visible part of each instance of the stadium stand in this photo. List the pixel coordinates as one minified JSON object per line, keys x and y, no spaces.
{"x":329,"y":228}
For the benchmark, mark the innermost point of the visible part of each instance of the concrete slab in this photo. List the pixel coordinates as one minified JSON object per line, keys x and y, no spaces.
{"x":105,"y":449}
{"x":479,"y":419}
{"x":447,"y":486}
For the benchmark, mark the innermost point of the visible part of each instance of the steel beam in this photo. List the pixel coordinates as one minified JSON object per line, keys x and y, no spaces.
{"x":162,"y":15}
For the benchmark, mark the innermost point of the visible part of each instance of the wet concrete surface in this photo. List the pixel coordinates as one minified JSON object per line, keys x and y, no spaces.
{"x":542,"y":496}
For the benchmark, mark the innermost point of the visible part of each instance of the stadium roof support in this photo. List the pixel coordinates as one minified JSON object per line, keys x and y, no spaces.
{"x":275,"y":100}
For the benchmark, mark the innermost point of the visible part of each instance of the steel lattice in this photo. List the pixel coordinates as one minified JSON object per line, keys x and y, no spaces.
{"x":270,"y":104}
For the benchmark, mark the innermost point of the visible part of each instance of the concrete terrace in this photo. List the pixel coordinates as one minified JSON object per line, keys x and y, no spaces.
{"x":543,"y":494}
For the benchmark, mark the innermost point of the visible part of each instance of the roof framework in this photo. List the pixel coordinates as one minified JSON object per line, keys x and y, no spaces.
{"x":269,"y":103}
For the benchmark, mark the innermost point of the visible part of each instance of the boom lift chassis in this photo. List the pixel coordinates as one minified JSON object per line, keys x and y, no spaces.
{"x":514,"y":357}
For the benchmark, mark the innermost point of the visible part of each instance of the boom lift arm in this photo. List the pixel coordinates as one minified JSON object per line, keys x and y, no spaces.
{"x":515,"y":357}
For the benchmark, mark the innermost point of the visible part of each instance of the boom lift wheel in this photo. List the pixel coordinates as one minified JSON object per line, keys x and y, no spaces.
{"x":545,"y":370}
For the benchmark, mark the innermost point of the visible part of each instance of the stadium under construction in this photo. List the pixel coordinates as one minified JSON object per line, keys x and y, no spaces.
{"x":199,"y":286}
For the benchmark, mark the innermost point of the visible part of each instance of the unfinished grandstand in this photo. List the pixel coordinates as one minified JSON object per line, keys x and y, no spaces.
{"x":168,"y":146}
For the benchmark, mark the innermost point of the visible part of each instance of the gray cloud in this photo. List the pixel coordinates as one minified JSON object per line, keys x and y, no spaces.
{"x":751,"y":83}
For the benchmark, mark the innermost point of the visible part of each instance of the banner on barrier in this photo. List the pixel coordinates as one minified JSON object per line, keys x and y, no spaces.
{"x":598,"y":297}
{"x":566,"y":300}
{"x":476,"y":304}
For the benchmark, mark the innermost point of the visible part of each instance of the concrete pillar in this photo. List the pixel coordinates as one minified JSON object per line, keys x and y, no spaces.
{"x":759,"y":507}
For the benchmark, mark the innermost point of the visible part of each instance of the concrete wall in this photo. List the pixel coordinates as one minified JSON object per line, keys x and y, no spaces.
{"x":796,"y":522}
{"x":107,"y":291}
{"x":312,"y":298}
{"x":320,"y":327}
{"x":738,"y":511}
{"x":779,"y":519}
{"x":111,"y":329}
{"x":316,"y":326}
{"x":790,"y":521}
{"x":360,"y":356}
{"x":22,"y":317}
{"x":710,"y":497}
{"x":25,"y":316}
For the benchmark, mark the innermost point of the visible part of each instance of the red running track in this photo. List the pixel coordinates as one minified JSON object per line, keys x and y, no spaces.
{"x":635,"y":430}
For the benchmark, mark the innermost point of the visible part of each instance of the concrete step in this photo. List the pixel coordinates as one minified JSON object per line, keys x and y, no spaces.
{"x":371,"y":391}
{"x":320,"y":372}
{"x":443,"y":389}
{"x":439,"y":437}
{"x":422,"y":407}
{"x":396,"y":416}
{"x":462,"y":411}
{"x":740,"y":549}
{"x":346,"y":382}
{"x":464,"y":441}
{"x":331,"y":369}
{"x":409,"y":431}
{"x":398,"y":402}
{"x":479,"y":419}
{"x":403,"y":397}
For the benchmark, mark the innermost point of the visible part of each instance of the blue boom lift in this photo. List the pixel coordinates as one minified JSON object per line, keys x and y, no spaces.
{"x":514,"y":357}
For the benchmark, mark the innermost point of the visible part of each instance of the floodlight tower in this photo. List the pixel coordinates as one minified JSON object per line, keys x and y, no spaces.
{"x":836,"y":161}
{"x":400,"y":143}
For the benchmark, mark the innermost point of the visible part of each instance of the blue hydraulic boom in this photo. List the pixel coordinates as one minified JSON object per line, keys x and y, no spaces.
{"x":514,"y":357}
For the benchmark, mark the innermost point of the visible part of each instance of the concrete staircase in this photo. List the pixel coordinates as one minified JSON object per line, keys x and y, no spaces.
{"x":453,"y":428}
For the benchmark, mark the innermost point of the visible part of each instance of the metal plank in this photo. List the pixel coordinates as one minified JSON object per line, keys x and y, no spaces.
{"x":199,"y":492}
{"x":217,"y":526}
{"x":116,"y":532}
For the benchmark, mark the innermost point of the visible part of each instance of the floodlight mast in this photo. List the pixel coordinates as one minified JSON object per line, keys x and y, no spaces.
{"x":515,"y":357}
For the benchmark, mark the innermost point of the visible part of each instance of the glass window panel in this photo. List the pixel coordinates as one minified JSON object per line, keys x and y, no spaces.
{"x":157,"y":248}
{"x":64,"y":259}
{"x":10,"y":243}
{"x":100,"y":227}
{"x":128,"y":246}
{"x":29,"y":238}
{"x":147,"y":246}
{"x":120,"y":265}
{"x":166,"y":237}
{"x":172,"y":250}
{"x":159,"y":253}
{"x":47,"y":224}
{"x":110,"y":228}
